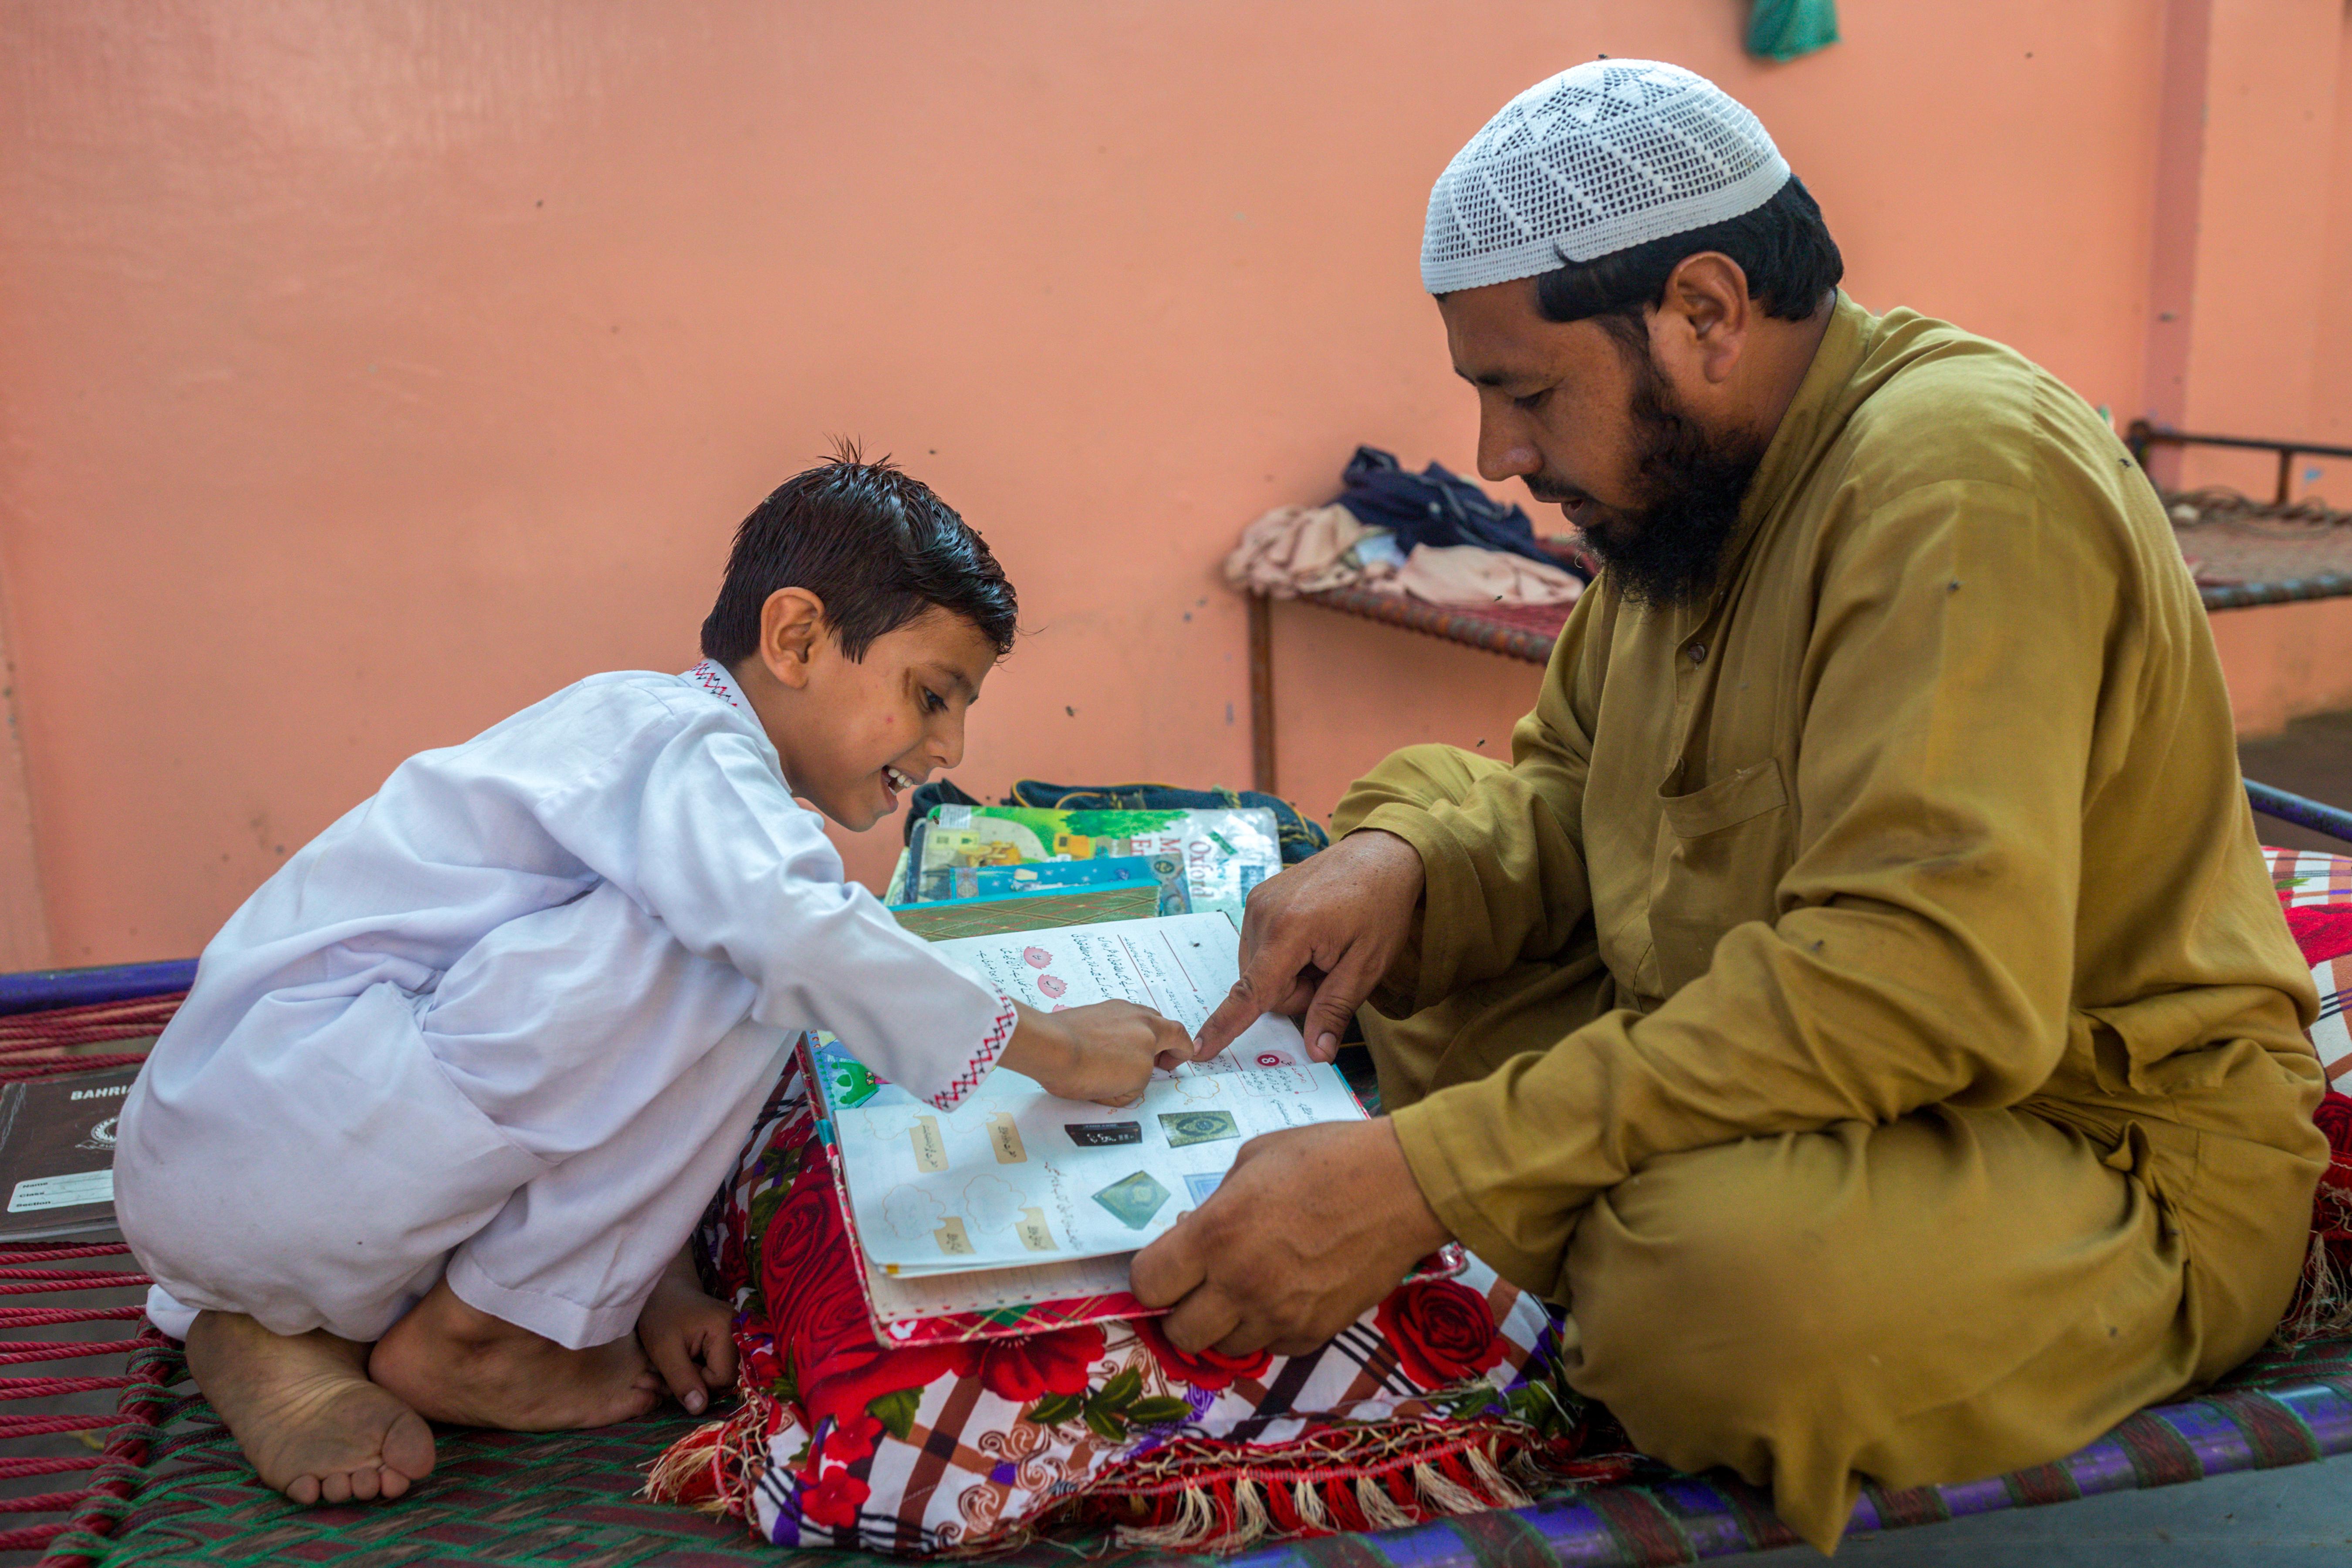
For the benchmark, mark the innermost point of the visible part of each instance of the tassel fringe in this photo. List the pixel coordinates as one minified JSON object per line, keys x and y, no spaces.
{"x":1209,"y":1495}
{"x":2323,"y":1302}
{"x":1380,"y":1510}
{"x":1494,"y":1484}
{"x":1204,"y":1496}
{"x":715,"y":1468}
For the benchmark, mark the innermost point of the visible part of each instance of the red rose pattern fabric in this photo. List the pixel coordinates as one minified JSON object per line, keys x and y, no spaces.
{"x":2317,"y":892}
{"x":840,"y":1440}
{"x":1442,"y":1331}
{"x":1211,"y":1369}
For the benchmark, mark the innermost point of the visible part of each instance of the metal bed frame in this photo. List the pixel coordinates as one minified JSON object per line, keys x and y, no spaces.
{"x":143,"y":1366}
{"x":2142,"y":435}
{"x":104,"y":1486}
{"x":1468,"y":629}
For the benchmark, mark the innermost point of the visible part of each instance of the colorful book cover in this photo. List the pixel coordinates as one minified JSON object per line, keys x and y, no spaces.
{"x":1000,"y":914}
{"x":1223,"y":854}
{"x":1048,"y":876}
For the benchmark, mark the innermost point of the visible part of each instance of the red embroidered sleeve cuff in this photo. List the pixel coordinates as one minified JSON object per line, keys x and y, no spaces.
{"x":998,"y":1035}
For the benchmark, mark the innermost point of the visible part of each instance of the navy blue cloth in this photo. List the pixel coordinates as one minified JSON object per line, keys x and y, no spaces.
{"x":939,"y":792}
{"x":1433,"y":506}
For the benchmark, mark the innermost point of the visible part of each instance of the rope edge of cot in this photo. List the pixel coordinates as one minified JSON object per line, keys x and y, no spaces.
{"x":122,"y":1474}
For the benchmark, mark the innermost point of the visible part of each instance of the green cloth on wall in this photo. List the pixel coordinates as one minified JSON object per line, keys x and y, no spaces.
{"x":1783,"y":29}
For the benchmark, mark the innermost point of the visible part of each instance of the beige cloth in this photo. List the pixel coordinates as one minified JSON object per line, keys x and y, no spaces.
{"x":1469,"y":576}
{"x":1863,"y":995}
{"x":1295,"y":549}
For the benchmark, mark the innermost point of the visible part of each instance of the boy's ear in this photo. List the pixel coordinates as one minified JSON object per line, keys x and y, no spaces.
{"x":791,"y":624}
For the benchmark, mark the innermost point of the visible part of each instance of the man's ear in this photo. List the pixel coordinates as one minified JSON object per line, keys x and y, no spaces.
{"x":1706,"y":314}
{"x":792,"y":625}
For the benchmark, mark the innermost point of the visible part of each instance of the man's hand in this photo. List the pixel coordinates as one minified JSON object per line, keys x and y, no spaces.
{"x":1318,"y":938}
{"x":1104,"y":1052}
{"x":1310,"y":1228}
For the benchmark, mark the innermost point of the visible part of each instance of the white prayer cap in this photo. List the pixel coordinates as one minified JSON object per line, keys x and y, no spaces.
{"x":1604,"y":155}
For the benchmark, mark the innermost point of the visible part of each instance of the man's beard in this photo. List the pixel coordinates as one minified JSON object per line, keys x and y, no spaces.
{"x":1668,"y":550}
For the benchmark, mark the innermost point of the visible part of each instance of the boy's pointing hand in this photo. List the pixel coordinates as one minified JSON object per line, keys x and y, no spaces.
{"x":1104,"y":1052}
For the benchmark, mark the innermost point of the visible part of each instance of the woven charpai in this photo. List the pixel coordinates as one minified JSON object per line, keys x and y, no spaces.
{"x":2283,"y":1408}
{"x":170,"y":1489}
{"x":502,"y":1497}
{"x":569,"y":1498}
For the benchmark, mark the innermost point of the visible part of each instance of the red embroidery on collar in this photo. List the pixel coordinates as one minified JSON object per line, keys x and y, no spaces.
{"x":713,"y":680}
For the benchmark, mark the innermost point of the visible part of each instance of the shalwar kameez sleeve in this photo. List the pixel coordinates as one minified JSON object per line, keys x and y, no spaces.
{"x":1956,"y":666}
{"x":702,"y":835}
{"x":1505,"y":869}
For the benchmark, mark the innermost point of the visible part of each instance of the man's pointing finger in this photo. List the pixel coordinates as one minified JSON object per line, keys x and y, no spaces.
{"x":1237,"y":1011}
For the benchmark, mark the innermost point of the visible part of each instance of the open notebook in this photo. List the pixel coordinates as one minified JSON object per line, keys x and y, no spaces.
{"x":1019,"y":1211}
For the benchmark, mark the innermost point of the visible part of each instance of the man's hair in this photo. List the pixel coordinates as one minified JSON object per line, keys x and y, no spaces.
{"x":875,"y":545}
{"x":1783,"y":247}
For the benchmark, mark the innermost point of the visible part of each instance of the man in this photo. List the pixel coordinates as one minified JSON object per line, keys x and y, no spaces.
{"x":1860,"y":999}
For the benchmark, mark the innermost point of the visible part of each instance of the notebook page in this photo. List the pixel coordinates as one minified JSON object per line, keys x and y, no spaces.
{"x":1014,"y":1176}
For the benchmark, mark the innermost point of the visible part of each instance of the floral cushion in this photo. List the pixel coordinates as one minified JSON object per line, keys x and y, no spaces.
{"x":1442,"y":1399}
{"x":2317,"y":892}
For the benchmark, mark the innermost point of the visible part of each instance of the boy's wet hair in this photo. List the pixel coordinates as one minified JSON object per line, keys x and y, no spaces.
{"x":875,"y":545}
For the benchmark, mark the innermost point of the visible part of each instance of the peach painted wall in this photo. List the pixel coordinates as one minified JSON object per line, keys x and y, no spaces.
{"x":2283,"y":661}
{"x":2271,"y":190}
{"x":23,"y":922}
{"x":2330,"y":418}
{"x":369,"y":368}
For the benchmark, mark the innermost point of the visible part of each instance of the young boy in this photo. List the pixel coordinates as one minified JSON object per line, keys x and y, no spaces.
{"x":429,"y":1134}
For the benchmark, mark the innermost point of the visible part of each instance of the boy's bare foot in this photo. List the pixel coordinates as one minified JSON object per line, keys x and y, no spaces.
{"x":304,"y":1412}
{"x":455,"y":1363}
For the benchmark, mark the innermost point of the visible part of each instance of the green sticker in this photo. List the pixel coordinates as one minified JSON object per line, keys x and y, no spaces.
{"x":853,"y":1084}
{"x":1188,"y":1127}
{"x":1133,"y":1199}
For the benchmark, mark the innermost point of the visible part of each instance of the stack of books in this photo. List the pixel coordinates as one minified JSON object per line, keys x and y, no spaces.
{"x":964,"y":865}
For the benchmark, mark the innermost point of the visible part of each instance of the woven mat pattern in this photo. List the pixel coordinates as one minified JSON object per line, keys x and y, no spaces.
{"x":2229,"y":538}
{"x":569,"y":1498}
{"x":495,"y":1497}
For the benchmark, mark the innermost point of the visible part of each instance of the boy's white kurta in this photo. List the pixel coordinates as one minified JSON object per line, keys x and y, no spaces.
{"x":510,"y":1020}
